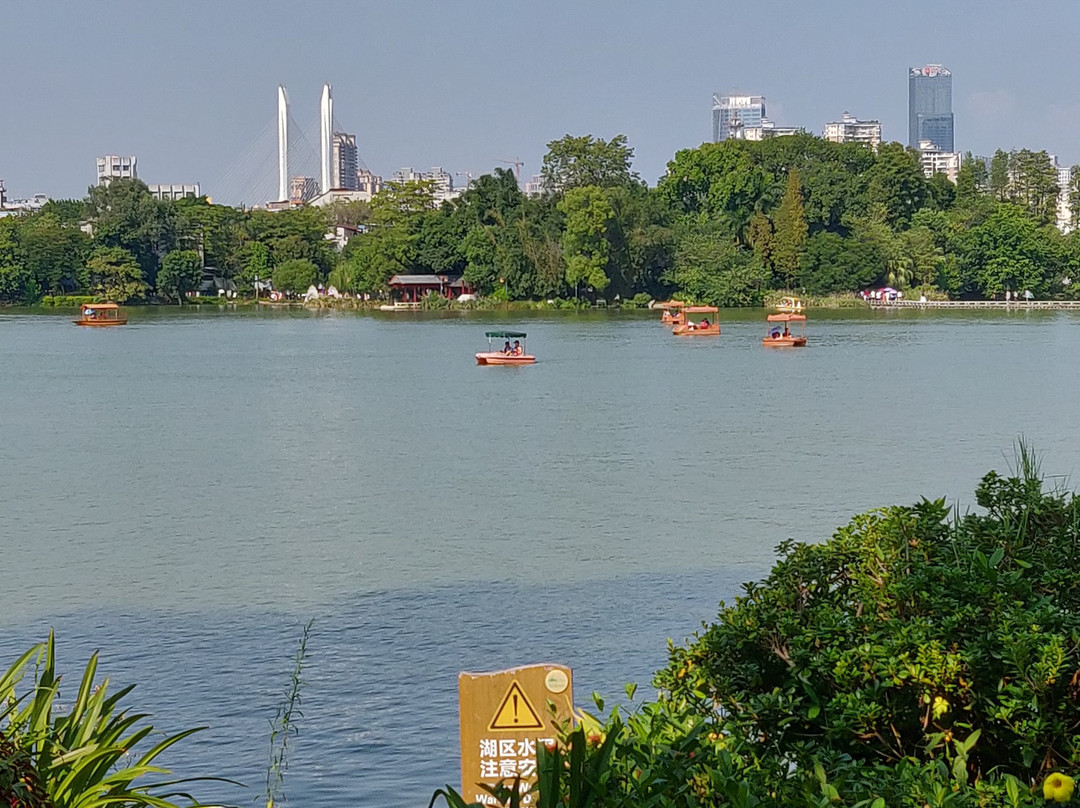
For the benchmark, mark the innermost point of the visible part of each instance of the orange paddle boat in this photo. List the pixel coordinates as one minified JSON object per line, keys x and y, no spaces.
{"x":703,"y":328}
{"x":785,"y":338}
{"x":98,"y":314}
{"x":510,"y":354}
{"x":672,"y":314}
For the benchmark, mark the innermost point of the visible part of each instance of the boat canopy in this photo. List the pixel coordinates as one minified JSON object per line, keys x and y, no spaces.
{"x":670,"y":304}
{"x":785,"y":318}
{"x":100,"y":306}
{"x":701,"y":310}
{"x":505,"y":335}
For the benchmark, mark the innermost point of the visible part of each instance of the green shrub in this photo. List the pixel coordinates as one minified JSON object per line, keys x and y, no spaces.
{"x":907,"y":635}
{"x":918,"y":659}
{"x":67,"y":301}
{"x":84,"y":756}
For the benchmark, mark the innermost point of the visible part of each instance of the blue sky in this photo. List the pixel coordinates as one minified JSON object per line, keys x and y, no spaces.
{"x":189,"y":87}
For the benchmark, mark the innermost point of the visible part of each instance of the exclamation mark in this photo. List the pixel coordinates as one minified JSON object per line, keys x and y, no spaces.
{"x":515,"y":708}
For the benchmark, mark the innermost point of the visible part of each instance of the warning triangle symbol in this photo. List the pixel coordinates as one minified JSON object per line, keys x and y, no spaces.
{"x":515,"y":712}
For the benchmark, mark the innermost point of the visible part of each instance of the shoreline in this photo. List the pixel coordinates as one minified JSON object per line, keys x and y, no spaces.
{"x":830,"y":305}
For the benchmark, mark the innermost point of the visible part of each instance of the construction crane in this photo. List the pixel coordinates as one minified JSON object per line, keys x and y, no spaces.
{"x":517,"y":164}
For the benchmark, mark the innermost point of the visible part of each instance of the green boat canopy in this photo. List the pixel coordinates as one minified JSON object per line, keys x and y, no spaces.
{"x":505,"y":334}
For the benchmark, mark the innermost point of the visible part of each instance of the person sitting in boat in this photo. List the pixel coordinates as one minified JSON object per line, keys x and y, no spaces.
{"x":775,"y":333}
{"x":506,"y":348}
{"x":704,"y":322}
{"x":786,"y":332}
{"x":517,"y":349}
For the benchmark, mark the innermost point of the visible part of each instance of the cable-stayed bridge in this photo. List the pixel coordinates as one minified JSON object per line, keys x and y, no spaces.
{"x":283,"y":150}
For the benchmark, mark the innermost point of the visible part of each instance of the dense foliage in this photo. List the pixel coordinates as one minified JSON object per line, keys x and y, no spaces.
{"x":918,"y":658}
{"x":727,"y":223}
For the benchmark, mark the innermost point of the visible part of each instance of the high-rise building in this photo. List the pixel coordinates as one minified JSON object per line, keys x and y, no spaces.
{"x":343,"y":161}
{"x":850,"y":129}
{"x":733,"y":114}
{"x":113,"y":167}
{"x":930,"y":115}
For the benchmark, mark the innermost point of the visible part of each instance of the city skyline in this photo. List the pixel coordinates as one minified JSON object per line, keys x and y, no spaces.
{"x":469,"y":85}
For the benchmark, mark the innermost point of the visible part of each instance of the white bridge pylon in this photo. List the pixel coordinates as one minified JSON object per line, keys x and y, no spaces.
{"x":263,"y":173}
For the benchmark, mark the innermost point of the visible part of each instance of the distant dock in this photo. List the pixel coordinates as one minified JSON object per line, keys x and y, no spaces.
{"x":1012,"y":305}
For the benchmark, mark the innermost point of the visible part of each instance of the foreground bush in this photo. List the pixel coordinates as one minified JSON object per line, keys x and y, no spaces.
{"x":919,"y":658}
{"x":909,"y":636}
{"x":83,"y":757}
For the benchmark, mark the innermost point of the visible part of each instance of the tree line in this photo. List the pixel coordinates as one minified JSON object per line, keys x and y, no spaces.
{"x":727,"y":223}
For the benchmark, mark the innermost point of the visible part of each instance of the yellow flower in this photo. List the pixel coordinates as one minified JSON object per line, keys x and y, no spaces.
{"x":1058,"y":787}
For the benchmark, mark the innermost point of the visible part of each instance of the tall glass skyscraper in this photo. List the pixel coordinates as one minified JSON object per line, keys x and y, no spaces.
{"x":930,"y":115}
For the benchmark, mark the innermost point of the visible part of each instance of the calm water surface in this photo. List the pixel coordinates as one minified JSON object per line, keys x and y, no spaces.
{"x":184,"y":493}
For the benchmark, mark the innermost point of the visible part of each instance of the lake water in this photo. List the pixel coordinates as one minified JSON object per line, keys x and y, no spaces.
{"x":186,"y":492}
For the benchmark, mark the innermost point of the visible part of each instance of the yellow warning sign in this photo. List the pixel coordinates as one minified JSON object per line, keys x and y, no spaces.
{"x":515,"y":712}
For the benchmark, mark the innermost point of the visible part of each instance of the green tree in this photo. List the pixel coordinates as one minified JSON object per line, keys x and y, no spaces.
{"x":392,"y":245}
{"x":125,"y":215}
{"x":896,"y":183}
{"x":295,"y":276}
{"x":921,"y":254}
{"x":1033,"y":184}
{"x":834,"y":264}
{"x":971,"y":179}
{"x":255,"y":263}
{"x":16,"y":280}
{"x":999,"y":175}
{"x":585,"y":245}
{"x":716,"y":179}
{"x":940,"y":192}
{"x":789,"y":241}
{"x":710,"y":268}
{"x":759,"y":236}
{"x":216,"y":230}
{"x":54,"y":252}
{"x":115,"y":275}
{"x":1010,"y":252}
{"x":575,"y":162}
{"x":180,"y":273}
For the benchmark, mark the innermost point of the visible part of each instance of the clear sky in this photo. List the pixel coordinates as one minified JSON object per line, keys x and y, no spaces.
{"x":190,"y":87}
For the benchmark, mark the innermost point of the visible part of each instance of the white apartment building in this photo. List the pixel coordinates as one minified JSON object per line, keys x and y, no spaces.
{"x":174,"y":191}
{"x":935,"y":161}
{"x":1064,"y":210}
{"x":443,"y":181}
{"x":767,"y":129}
{"x":367,"y":182}
{"x":535,"y":186}
{"x":114,"y":166}
{"x":850,"y":129}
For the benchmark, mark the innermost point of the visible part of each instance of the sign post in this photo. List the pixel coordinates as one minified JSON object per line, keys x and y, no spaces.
{"x":504,"y":715}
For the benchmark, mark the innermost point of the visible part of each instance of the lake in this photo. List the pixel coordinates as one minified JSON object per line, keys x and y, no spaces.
{"x":184,"y":493}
